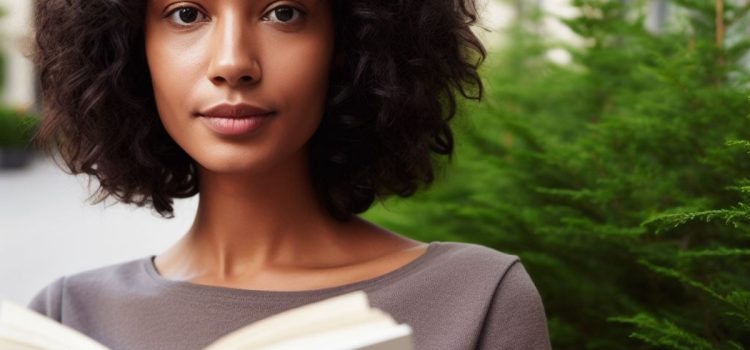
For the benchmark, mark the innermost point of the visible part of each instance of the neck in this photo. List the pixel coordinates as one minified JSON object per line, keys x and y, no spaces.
{"x":246,"y":222}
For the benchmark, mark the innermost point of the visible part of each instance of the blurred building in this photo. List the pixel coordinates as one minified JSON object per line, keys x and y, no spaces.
{"x":15,"y":27}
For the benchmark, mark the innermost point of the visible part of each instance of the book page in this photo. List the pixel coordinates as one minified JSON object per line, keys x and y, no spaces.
{"x":373,"y":316}
{"x":21,"y":325}
{"x":333,"y":312}
{"x":356,"y":337}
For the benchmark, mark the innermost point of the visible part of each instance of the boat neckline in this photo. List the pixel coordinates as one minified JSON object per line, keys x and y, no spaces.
{"x":231,"y":292}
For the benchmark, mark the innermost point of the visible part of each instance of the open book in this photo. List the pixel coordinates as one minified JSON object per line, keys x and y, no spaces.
{"x":342,"y":322}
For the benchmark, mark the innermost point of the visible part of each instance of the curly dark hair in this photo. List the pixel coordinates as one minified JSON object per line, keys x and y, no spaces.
{"x":388,"y":109}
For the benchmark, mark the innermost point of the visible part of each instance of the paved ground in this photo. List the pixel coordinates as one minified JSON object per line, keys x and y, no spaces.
{"x":47,"y":229}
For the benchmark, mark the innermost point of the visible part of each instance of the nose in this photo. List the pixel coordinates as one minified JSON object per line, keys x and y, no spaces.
{"x":232,"y":60}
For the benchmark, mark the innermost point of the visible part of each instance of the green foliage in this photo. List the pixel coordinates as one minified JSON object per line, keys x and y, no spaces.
{"x":622,"y":179}
{"x":16,"y":127}
{"x":662,"y":333}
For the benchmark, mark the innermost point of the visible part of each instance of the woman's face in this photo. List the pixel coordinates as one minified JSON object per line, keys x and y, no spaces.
{"x":212,"y":61}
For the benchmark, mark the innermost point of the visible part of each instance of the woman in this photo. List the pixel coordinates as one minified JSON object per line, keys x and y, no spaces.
{"x":289,"y":118}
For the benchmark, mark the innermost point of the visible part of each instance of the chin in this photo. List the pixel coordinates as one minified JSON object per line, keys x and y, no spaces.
{"x":224,"y":161}
{"x":232,"y":166}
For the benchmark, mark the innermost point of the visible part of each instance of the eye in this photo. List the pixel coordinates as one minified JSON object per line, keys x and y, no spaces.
{"x":284,"y":14}
{"x":186,"y":16}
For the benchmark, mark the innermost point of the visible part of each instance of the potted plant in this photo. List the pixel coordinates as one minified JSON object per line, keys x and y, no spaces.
{"x":17,"y":128}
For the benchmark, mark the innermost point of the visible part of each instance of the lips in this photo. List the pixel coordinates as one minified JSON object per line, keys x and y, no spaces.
{"x":227,"y":119}
{"x":241,"y":110}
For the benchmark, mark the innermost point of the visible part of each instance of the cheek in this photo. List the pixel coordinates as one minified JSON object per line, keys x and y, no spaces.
{"x":299,"y":75}
{"x":175,"y":67}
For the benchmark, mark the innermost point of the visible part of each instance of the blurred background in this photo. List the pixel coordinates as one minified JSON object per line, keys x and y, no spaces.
{"x":611,"y":152}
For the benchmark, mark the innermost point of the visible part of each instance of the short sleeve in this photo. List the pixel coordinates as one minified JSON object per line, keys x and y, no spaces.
{"x":516,"y":318}
{"x":48,"y":301}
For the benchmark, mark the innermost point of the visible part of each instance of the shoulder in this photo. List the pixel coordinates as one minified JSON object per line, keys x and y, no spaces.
{"x":475,"y":259}
{"x":503,"y":273}
{"x":472,"y":269}
{"x":117,"y":273}
{"x":515,"y":315}
{"x":88,"y":284}
{"x":516,"y":319}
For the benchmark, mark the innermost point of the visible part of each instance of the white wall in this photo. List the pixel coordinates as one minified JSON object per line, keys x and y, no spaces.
{"x":47,"y":229}
{"x":14,"y":26}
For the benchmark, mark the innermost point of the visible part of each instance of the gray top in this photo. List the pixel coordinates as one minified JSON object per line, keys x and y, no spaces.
{"x":456,"y":296}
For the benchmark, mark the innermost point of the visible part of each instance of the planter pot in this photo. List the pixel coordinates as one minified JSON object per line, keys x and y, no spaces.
{"x":14,"y":158}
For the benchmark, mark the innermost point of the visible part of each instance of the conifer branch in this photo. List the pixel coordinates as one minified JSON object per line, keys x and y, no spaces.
{"x":720,"y":23}
{"x":716,"y":253}
{"x":662,"y":333}
{"x":738,"y":15}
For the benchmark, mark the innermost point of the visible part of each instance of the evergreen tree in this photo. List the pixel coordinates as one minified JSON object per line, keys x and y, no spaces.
{"x":622,"y":180}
